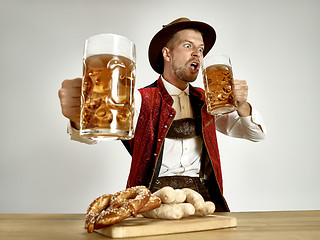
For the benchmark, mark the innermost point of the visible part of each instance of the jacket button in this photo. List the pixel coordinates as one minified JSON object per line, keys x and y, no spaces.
{"x":165,"y":126}
{"x":155,"y":154}
{"x":159,"y":140}
{"x":170,"y":115}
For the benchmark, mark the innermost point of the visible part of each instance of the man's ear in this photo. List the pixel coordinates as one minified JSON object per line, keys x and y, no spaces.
{"x":166,"y":54}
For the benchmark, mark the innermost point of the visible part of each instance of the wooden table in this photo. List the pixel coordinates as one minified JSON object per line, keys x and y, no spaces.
{"x":251,"y":225}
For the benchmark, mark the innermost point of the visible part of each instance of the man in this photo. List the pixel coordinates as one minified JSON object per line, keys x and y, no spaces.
{"x":175,"y":138}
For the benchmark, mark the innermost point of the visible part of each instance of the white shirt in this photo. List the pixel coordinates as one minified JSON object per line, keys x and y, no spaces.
{"x":182,"y":157}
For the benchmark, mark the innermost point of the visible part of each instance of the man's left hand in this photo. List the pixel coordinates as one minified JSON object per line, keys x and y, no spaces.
{"x":241,"y":95}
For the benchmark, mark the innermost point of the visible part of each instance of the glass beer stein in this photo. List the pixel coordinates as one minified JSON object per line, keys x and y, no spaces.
{"x":107,"y":102}
{"x":218,"y":84}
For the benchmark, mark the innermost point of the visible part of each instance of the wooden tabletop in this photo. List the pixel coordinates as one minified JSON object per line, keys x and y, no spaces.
{"x":251,"y":225}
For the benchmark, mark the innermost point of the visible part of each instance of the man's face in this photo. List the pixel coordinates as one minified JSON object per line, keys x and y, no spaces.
{"x":186,"y":52}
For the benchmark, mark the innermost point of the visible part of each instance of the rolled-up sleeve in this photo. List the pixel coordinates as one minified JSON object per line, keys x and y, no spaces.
{"x":251,"y":128}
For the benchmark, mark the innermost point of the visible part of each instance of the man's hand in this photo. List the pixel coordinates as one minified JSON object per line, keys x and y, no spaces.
{"x":241,"y":95}
{"x":70,"y":100}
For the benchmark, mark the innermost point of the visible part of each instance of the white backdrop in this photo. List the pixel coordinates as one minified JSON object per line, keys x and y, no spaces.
{"x":273,"y":44}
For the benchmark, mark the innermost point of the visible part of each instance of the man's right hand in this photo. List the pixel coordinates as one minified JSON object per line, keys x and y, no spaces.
{"x":70,"y":100}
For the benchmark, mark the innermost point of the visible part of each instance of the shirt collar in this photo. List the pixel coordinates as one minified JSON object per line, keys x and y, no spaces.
{"x":173,"y":90}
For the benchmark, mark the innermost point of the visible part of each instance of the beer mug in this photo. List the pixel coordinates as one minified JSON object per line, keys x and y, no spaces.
{"x":107,"y":102}
{"x":218,"y":84}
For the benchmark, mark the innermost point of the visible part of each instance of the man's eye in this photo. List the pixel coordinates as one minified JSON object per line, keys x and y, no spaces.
{"x":187,"y":45}
{"x":201,"y":50}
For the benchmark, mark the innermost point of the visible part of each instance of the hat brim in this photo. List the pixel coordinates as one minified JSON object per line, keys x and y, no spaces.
{"x":166,"y":33}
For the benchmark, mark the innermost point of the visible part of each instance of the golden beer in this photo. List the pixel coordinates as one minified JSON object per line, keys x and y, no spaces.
{"x":107,"y":101}
{"x":107,"y":97}
{"x":218,"y":83}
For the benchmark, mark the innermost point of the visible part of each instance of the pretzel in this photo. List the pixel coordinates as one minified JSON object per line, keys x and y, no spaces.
{"x":111,"y":216}
{"x":110,"y":209}
{"x":136,"y":197}
{"x":154,"y":202}
{"x":95,"y":208}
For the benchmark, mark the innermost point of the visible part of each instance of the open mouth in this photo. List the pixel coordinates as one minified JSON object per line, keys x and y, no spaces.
{"x":195,"y":66}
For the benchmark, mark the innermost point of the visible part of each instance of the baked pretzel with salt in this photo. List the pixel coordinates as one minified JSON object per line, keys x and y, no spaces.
{"x":94,"y":210}
{"x":110,"y":209}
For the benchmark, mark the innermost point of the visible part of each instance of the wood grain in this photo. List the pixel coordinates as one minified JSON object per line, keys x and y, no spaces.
{"x":280,"y":225}
{"x":140,"y":226}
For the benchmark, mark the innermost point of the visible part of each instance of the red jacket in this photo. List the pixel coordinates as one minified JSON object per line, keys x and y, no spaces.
{"x":156,"y":116}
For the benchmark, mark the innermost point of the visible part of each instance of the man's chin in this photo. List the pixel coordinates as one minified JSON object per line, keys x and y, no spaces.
{"x":192,"y":77}
{"x":187,"y":76}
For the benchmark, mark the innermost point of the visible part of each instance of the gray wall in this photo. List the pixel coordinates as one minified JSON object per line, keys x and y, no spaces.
{"x":274,"y":45}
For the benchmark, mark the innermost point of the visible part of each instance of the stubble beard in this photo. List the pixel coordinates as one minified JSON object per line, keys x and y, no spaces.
{"x":183,"y":73}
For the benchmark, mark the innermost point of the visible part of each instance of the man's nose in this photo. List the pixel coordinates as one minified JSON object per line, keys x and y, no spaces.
{"x":196,"y":52}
